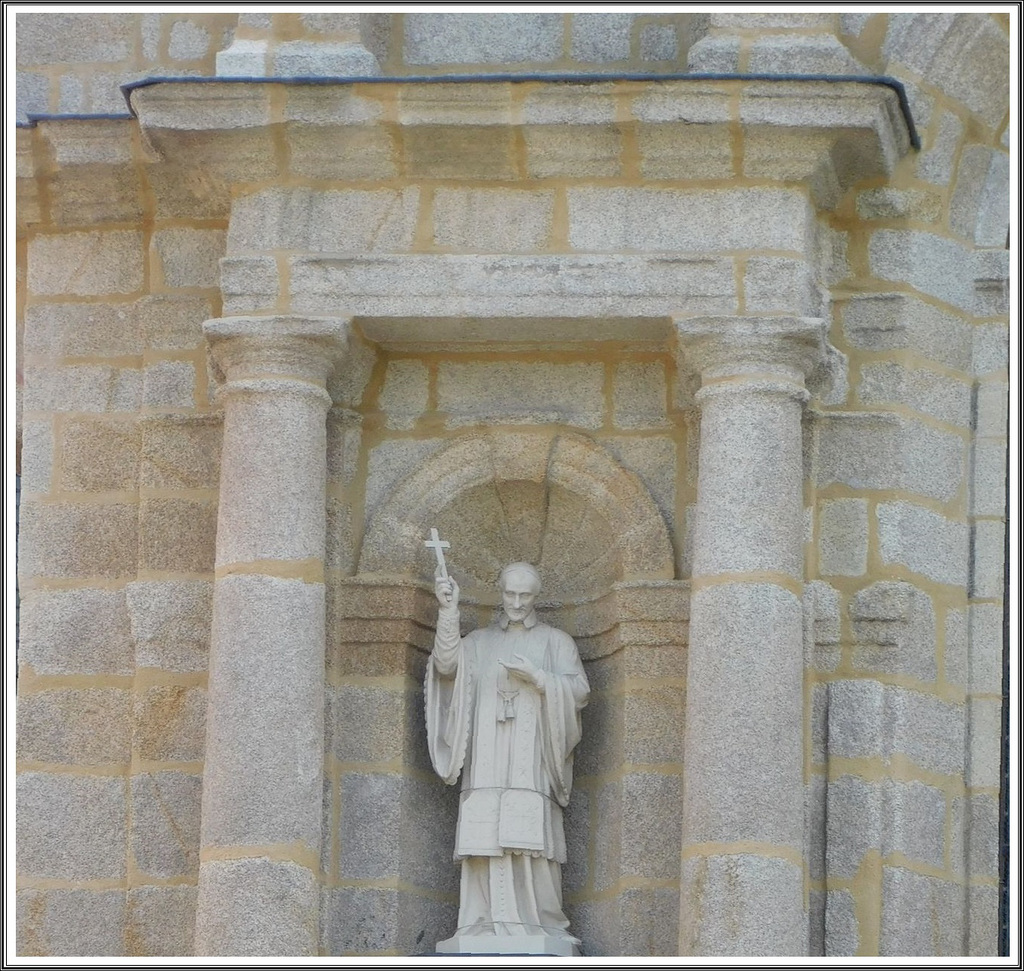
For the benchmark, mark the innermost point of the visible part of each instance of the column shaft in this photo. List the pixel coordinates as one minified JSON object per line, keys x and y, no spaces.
{"x":262,"y":781}
{"x":743,"y":868}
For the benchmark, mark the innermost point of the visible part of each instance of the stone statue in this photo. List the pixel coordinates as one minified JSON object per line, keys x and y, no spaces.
{"x":503,"y":707}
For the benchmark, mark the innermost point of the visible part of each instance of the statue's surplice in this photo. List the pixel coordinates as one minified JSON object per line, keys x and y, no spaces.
{"x":513,"y":744}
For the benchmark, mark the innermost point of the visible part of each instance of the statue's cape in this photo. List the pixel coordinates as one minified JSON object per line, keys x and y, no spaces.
{"x":449,"y":720}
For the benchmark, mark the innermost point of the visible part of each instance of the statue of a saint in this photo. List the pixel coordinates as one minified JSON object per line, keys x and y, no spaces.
{"x":503,"y":707}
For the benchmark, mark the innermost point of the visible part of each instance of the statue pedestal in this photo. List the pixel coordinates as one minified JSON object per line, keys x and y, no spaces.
{"x":545,"y":944}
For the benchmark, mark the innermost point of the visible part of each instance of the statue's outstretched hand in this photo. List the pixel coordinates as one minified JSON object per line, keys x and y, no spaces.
{"x":526,"y":671}
{"x":446,"y":591}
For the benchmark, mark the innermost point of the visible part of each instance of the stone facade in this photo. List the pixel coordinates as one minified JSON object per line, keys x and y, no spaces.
{"x":726,"y":358}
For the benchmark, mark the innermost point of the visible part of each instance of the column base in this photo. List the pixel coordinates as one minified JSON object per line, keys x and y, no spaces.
{"x":541,"y":944}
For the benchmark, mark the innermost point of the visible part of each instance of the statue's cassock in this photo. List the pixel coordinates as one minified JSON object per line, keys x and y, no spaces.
{"x":513,"y":744}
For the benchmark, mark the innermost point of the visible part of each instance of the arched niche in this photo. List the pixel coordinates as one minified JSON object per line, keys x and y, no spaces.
{"x":561,"y":500}
{"x":558,"y":500}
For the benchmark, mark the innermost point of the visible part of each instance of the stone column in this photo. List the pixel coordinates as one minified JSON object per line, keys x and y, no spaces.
{"x":262,"y":780}
{"x":743,"y":872}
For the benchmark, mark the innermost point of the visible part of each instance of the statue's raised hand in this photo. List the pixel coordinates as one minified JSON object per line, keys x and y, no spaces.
{"x":446,"y":590}
{"x":525,"y":670}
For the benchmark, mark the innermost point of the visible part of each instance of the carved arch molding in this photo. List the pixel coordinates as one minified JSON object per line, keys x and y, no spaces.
{"x":555,"y":498}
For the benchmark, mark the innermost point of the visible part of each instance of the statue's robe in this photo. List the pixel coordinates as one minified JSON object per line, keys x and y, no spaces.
{"x":513,"y":745}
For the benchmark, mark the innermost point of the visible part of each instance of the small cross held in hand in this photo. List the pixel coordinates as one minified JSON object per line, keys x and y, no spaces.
{"x":438,"y":546}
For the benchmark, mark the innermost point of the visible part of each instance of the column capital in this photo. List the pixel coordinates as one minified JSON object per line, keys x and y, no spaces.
{"x":789,"y":348}
{"x":306,"y":348}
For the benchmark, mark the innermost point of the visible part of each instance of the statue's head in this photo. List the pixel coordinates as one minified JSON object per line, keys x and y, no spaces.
{"x":519,"y":584}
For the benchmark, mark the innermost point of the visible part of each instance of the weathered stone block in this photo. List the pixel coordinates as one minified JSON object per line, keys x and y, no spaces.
{"x":164,"y":837}
{"x":611,"y":219}
{"x":249,"y":284}
{"x":362,"y":920}
{"x":651,"y":806}
{"x":364,"y":153}
{"x":983,"y":836}
{"x":894,"y":630}
{"x":170,"y":723}
{"x":988,"y":479}
{"x":922,"y":389}
{"x":172,"y":322}
{"x":404,"y":395}
{"x":511,"y":392}
{"x":774,"y":284}
{"x":366,"y":723}
{"x":639,"y":398}
{"x":188,"y":41}
{"x":85,"y":264}
{"x":170,"y":623}
{"x":82,"y":330}
{"x":32,"y":93}
{"x":935,"y":164}
{"x":980,"y":202}
{"x":181,"y":452}
{"x":821,"y":625}
{"x":263,"y":906}
{"x":100,"y":454}
{"x":985,"y":742}
{"x":482,"y":152}
{"x":988,"y":574}
{"x":78,"y":631}
{"x":81,"y":387}
{"x":748,"y":905}
{"x":842,"y":929}
{"x":77,"y":726}
{"x":161,"y":920}
{"x":89,"y":194}
{"x":685,"y":151}
{"x":649,"y":921}
{"x":36,"y":455}
{"x":956,"y":650}
{"x":843,"y":537}
{"x":71,"y":827}
{"x":47,"y":38}
{"x":553,"y":152}
{"x":923,"y":541}
{"x":482,"y":38}
{"x":492,"y":220}
{"x":992,"y":408}
{"x":890,"y":203}
{"x":897,"y":321}
{"x":983,"y":921}
{"x":68,"y":540}
{"x":928,"y":730}
{"x":189,"y":257}
{"x":986,"y":659}
{"x":71,"y":922}
{"x":370,"y":810}
{"x":991,"y":346}
{"x":317,"y":221}
{"x":652,"y":722}
{"x":658,"y":42}
{"x":600,"y":38}
{"x":929,"y":263}
{"x":178,"y":535}
{"x":169,"y":384}
{"x":920,"y":915}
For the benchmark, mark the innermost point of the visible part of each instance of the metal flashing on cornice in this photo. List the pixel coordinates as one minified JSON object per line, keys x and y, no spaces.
{"x":33,"y":118}
{"x":880,"y":79}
